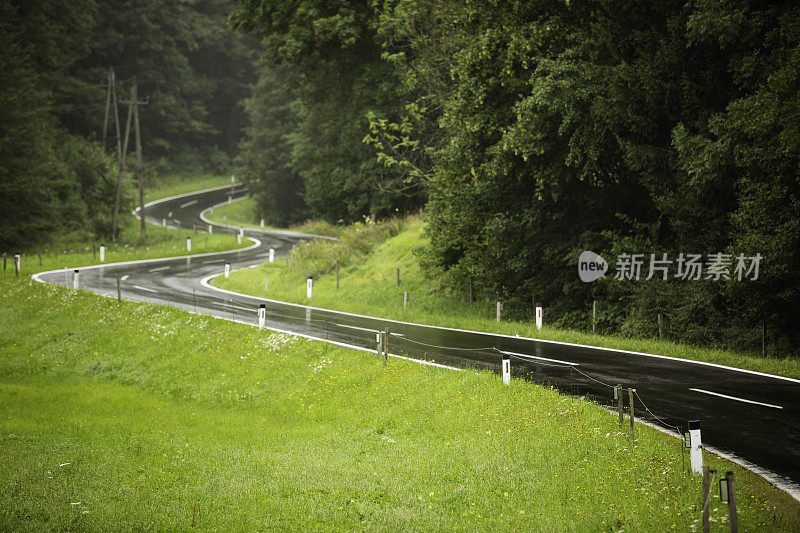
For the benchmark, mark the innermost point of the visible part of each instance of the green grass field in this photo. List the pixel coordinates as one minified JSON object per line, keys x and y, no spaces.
{"x":367,"y":286}
{"x":136,"y":417}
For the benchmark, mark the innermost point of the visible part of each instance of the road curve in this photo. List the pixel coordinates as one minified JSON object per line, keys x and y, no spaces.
{"x":751,"y":417}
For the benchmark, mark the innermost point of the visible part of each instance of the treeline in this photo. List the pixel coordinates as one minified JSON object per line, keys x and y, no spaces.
{"x":535,"y":130}
{"x":55,"y":56}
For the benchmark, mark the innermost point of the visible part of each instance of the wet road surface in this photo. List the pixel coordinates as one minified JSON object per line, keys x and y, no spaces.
{"x":755,"y":417}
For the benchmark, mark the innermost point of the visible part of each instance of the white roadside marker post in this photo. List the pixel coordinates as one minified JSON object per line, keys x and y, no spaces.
{"x":102,"y":253}
{"x":499,"y":310}
{"x":262,"y":315}
{"x":17,"y":262}
{"x":695,"y":447}
{"x":164,"y":222}
{"x":538,"y":317}
{"x":233,"y":178}
{"x":209,"y":229}
{"x":309,"y":286}
{"x":262,"y":222}
{"x":272,"y":255}
{"x":380,"y":343}
{"x":188,"y":244}
{"x":76,"y":279}
{"x":506,"y":369}
{"x":405,"y":299}
{"x":227,"y":269}
{"x":230,"y":198}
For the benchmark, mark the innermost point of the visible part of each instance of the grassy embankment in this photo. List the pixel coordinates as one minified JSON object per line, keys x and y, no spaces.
{"x":369,"y":257}
{"x":131,"y":416}
{"x":243,"y":213}
{"x":72,"y":250}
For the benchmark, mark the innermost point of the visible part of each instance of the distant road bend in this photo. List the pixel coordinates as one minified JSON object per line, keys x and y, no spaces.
{"x":753,"y":417}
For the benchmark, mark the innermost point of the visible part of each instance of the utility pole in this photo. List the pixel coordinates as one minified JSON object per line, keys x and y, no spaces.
{"x":108,"y":104}
{"x":113,"y":79}
{"x":135,"y":103}
{"x":120,"y":172}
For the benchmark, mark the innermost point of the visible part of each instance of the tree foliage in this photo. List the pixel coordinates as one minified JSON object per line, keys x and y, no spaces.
{"x":54,"y":60}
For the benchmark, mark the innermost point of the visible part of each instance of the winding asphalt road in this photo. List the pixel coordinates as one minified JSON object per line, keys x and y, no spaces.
{"x":753,"y":417}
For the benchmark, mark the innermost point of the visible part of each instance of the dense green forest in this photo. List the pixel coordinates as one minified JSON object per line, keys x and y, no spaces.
{"x":535,"y":130}
{"x":188,"y":65}
{"x":530,"y":131}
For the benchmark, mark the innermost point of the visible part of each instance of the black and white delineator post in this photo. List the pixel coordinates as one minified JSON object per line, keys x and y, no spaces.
{"x":17,"y":262}
{"x":262,"y":315}
{"x":379,"y":341}
{"x":506,"y":369}
{"x":695,"y":447}
{"x":102,"y":253}
{"x":309,"y":286}
{"x":76,"y":283}
{"x":272,"y":255}
{"x":227,"y":269}
{"x":188,"y":244}
{"x":538,"y":317}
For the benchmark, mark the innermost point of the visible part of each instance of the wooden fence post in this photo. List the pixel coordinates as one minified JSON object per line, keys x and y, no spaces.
{"x":630,"y":400}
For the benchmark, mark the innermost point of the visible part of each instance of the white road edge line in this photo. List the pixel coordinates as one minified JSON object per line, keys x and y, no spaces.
{"x":703,"y":391}
{"x":526,"y":356}
{"x":284,"y":233}
{"x":144,"y":288}
{"x":256,"y":244}
{"x":158,"y":269}
{"x":205,"y":283}
{"x":187,"y":204}
{"x":126,"y":276}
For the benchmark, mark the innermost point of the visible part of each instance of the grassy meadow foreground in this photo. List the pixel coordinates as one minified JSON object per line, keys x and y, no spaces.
{"x":369,"y":254}
{"x":131,"y":416}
